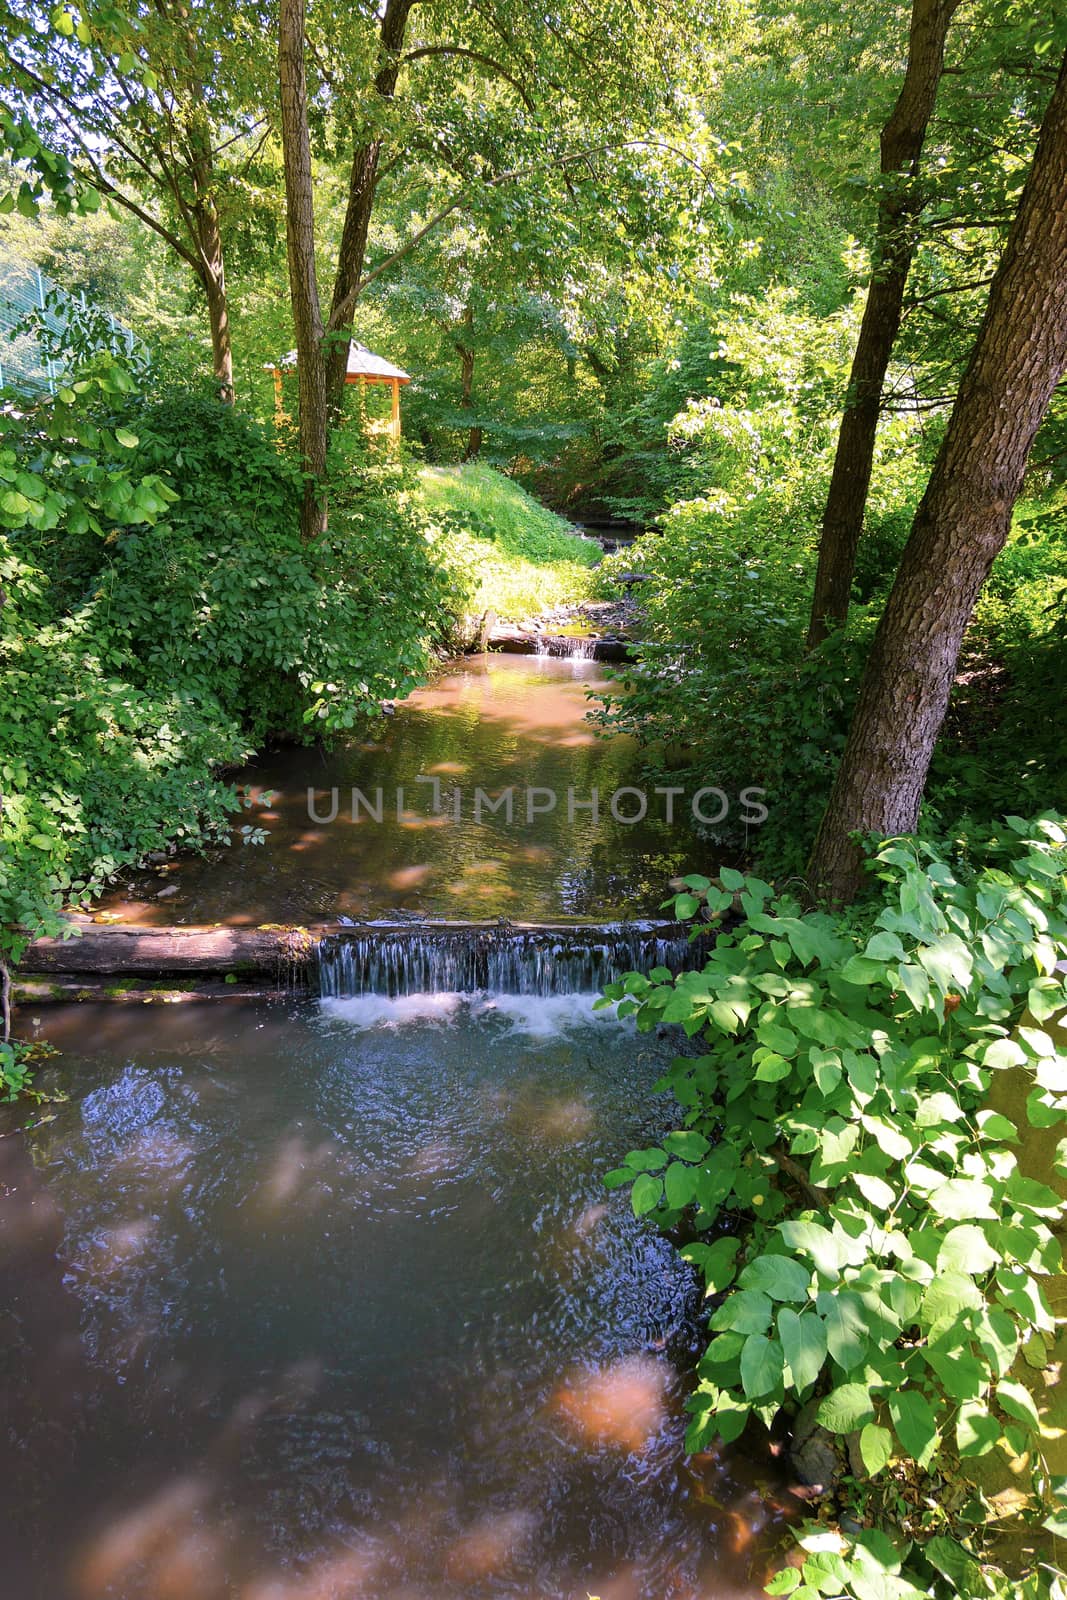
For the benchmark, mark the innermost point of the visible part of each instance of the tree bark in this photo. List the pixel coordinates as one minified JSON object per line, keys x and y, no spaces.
{"x":901,"y":202}
{"x":213,"y":278}
{"x":961,"y":524}
{"x":466,"y":367}
{"x":303,"y":280}
{"x":362,"y":184}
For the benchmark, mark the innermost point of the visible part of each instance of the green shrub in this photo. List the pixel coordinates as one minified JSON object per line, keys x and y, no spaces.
{"x":724,"y":692}
{"x":893,"y":1254}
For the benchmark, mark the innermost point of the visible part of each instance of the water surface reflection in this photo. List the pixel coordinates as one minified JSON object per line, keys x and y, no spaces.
{"x":307,"y":1307}
{"x":491,"y":722}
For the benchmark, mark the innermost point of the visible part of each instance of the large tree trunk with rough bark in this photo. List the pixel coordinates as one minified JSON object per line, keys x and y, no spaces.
{"x":303,"y":280}
{"x":961,"y":524}
{"x":901,"y":202}
{"x":362,"y":184}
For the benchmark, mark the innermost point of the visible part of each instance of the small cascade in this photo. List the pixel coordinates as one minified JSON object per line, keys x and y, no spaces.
{"x":398,"y":962}
{"x":574,"y":647}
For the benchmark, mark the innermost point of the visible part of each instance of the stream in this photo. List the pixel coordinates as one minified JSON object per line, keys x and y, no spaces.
{"x":324,"y":1299}
{"x":491,"y":724}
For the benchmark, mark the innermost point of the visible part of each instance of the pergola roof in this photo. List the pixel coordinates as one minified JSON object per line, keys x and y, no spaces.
{"x":362,"y":363}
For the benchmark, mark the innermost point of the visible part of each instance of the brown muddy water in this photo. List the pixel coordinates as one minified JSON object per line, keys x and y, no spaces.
{"x":327,"y":1302}
{"x":492,"y":723}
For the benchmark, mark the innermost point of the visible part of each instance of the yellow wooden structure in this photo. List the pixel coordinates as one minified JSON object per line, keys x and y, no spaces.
{"x":364,"y":367}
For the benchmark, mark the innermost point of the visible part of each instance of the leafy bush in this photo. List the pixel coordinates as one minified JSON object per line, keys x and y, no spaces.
{"x":95,"y":768}
{"x":724,"y":692}
{"x":892,"y":1264}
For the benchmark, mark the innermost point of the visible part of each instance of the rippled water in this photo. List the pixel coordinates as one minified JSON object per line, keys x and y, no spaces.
{"x":330,"y":1303}
{"x":491,"y":722}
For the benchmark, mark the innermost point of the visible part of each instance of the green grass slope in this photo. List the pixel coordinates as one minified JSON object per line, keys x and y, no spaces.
{"x":511,"y":554}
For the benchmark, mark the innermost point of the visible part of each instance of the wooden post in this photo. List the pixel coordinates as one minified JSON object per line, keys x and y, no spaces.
{"x":279,"y":404}
{"x":395,"y":429}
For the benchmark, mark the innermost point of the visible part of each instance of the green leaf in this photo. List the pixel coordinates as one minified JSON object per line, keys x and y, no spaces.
{"x":679,"y":1184}
{"x":966,"y":1249}
{"x":876,"y":1448}
{"x":715,"y":1261}
{"x":646,"y":1194}
{"x":803,"y":1339}
{"x":915,"y":1424}
{"x":950,"y":1295}
{"x":1018,"y":1402}
{"x":956,"y":1564}
{"x":815,"y":1241}
{"x":846,"y":1408}
{"x":687,"y":1145}
{"x":846,"y":1327}
{"x":976,"y":1431}
{"x":781,"y":1277}
{"x":784,"y":1582}
{"x":772,"y":1068}
{"x":128,"y":440}
{"x":960,"y":1198}
{"x":861,"y":970}
{"x":761,"y":1366}
{"x":744,"y":1311}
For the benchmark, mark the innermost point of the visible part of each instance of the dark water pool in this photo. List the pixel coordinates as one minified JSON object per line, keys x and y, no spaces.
{"x":329,"y":1302}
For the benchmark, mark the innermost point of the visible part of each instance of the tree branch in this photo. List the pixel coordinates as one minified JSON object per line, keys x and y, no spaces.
{"x":488,"y":62}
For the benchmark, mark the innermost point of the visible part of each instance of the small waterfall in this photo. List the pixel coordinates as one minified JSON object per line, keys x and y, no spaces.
{"x":399,"y":962}
{"x":575,"y":647}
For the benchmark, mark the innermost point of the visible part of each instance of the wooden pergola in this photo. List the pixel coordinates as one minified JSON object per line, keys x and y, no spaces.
{"x":363,"y":367}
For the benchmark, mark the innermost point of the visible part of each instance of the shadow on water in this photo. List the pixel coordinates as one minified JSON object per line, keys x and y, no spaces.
{"x":491,"y":723}
{"x":327,"y":1303}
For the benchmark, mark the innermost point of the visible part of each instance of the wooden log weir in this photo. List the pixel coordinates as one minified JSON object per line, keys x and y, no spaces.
{"x":282,"y":954}
{"x":122,"y":961}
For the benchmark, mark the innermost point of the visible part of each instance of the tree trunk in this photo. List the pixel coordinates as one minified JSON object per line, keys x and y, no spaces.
{"x":362,"y":184}
{"x":963,"y":521}
{"x":303,"y":282}
{"x":213,"y":278}
{"x":466,"y":367}
{"x":901,"y":202}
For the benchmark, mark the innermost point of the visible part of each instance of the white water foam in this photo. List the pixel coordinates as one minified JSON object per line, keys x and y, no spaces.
{"x":392,"y":1011}
{"x":531,"y":1015}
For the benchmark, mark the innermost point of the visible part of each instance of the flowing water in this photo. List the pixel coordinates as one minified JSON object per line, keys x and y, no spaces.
{"x":492,"y":724}
{"x":327,"y":1302}
{"x":494,"y":960}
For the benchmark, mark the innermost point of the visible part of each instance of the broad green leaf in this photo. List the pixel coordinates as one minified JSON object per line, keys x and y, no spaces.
{"x":744,"y":1311}
{"x":817,"y":1242}
{"x":960,"y":1198}
{"x":679,"y":1185}
{"x":1018,"y":1402}
{"x":846,"y":1408}
{"x":761,"y":1366}
{"x":782,"y":1277}
{"x":876,"y":1447}
{"x":687,"y":1145}
{"x":966,"y":1249}
{"x":646,"y":1194}
{"x":803,"y":1339}
{"x":847,"y":1326}
{"x":976,"y":1431}
{"x":915,"y":1424}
